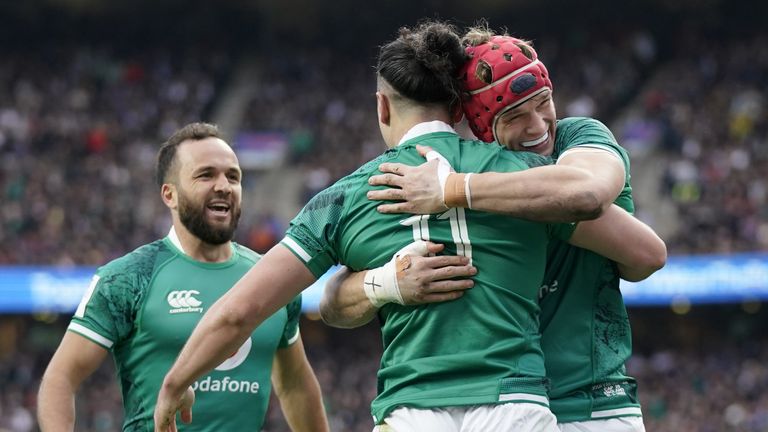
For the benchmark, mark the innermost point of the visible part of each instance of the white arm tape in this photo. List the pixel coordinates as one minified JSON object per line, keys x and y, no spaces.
{"x":443,"y":169}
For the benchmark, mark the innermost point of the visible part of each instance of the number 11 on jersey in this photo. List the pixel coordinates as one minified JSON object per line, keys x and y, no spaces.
{"x":459,"y":230}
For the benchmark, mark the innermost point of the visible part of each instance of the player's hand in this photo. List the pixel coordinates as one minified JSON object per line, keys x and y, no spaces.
{"x":427,"y":279}
{"x":421,"y":188}
{"x":167,"y":406}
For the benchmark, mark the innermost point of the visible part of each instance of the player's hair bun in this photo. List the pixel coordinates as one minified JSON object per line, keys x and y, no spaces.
{"x":422,"y":64}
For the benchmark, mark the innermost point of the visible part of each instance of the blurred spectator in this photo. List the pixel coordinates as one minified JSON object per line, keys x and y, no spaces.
{"x":706,"y":110}
{"x":79,"y":128}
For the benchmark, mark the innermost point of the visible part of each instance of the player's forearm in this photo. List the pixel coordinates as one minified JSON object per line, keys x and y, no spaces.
{"x":297,"y":389}
{"x":619,"y":236}
{"x":648,"y":255}
{"x":221,"y":331}
{"x":344,"y":303}
{"x":545,"y":194}
{"x":56,"y":404}
{"x":635,"y":274}
{"x":302,"y":404}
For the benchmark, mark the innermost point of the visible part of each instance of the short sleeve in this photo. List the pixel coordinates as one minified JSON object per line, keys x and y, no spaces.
{"x":107,"y":311}
{"x":583,"y":132}
{"x":312,"y":234}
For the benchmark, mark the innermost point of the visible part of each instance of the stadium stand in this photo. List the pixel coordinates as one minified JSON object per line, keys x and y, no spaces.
{"x":80,"y":123}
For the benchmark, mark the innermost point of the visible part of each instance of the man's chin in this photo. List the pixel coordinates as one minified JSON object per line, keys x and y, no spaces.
{"x":218,"y":231}
{"x":219,"y":239}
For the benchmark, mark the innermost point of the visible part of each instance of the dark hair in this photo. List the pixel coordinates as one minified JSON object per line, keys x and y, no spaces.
{"x":423,"y":63}
{"x":167,"y":153}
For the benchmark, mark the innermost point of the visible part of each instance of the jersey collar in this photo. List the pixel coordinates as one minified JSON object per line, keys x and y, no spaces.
{"x":174,"y":238}
{"x":426,"y":128}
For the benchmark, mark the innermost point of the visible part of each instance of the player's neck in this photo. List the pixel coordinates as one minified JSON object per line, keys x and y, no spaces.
{"x":406,"y":123}
{"x":199,"y":250}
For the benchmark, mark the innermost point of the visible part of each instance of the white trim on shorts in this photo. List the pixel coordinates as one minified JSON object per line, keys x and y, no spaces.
{"x":618,"y":412}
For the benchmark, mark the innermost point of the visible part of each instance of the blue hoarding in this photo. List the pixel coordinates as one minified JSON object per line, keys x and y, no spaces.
{"x":703,"y":279}
{"x":694,"y":279}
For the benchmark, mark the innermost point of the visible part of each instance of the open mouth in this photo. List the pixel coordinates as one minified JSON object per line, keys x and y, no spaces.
{"x":220,"y":209}
{"x":537,"y":141}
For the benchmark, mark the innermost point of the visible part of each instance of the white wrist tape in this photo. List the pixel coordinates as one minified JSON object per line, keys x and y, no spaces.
{"x":467,"y":190}
{"x":443,"y":169}
{"x":380,"y":284}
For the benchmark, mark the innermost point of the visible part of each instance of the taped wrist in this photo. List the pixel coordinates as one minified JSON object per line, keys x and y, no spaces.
{"x":380,"y":285}
{"x":457,"y":192}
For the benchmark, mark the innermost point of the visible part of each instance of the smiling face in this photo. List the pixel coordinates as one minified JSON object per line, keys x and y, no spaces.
{"x":529,"y":126}
{"x":208,"y":189}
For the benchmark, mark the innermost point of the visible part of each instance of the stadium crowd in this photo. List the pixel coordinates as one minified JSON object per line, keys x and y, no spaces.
{"x":91,"y":154}
{"x":79,"y":130}
{"x":79,"y":127}
{"x":706,"y":111}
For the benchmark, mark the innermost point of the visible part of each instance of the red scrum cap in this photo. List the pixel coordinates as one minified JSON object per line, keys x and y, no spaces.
{"x":500,"y":75}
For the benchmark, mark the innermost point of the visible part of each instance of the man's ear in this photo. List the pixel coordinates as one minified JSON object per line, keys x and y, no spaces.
{"x":382,"y":108}
{"x":169,"y":195}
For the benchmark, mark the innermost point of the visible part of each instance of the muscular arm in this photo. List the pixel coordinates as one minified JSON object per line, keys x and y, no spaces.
{"x":74,"y":361}
{"x":619,"y":236}
{"x":277,"y":278}
{"x":582,"y":185}
{"x":616,"y":235}
{"x":344,"y":303}
{"x":546,"y":194}
{"x":297,"y":389}
{"x":420,"y":279}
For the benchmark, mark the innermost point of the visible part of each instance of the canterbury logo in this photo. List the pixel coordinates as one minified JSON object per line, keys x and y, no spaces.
{"x":184,"y":301}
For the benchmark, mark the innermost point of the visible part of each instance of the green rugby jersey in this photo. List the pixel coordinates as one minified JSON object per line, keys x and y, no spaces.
{"x":480,"y":349}
{"x":144,"y":306}
{"x":586,"y":335}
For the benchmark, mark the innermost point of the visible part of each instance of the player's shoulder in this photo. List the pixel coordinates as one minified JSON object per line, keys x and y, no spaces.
{"x":334,"y":194}
{"x":581,"y":122}
{"x":246,"y":254}
{"x":481,"y":146}
{"x":585,"y":131}
{"x":351,"y":185}
{"x":368,"y":168}
{"x":141,"y":260}
{"x":574,"y":130}
{"x":129,"y":276}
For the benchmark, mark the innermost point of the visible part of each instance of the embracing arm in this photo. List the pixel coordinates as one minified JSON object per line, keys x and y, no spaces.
{"x":579,"y":187}
{"x":619,"y":236}
{"x":277,"y":278}
{"x":297,"y":389}
{"x":416,"y":278}
{"x":74,"y":361}
{"x":547,"y":194}
{"x":344,"y":303}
